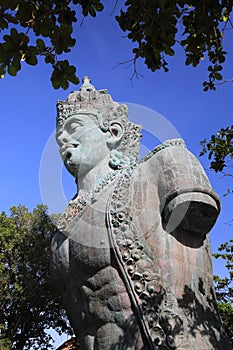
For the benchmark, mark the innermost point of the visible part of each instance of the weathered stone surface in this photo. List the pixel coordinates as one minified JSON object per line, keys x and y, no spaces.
{"x":132,"y":255}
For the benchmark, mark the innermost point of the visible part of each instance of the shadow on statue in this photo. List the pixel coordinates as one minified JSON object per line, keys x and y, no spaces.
{"x":132,"y":256}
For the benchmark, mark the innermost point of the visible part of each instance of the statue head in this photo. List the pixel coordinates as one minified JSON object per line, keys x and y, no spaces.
{"x":103,"y":127}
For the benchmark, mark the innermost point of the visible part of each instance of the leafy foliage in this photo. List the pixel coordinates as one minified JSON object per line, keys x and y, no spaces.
{"x":28,"y":304}
{"x":155,"y":26}
{"x":220,"y":149}
{"x":226,"y":312}
{"x":220,"y":152}
{"x":51,"y":22}
{"x":224,"y":287}
{"x":197,"y":26}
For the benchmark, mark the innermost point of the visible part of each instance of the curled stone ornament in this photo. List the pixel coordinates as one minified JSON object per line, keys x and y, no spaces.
{"x":149,"y":293}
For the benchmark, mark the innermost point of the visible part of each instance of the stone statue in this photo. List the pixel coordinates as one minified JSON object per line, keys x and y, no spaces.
{"x":132,"y":255}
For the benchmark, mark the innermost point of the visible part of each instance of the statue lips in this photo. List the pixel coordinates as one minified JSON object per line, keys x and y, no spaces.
{"x":66,"y":150}
{"x":66,"y":154}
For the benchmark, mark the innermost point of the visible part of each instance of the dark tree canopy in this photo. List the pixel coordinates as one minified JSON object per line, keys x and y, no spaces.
{"x":220,"y":153}
{"x":41,"y":28}
{"x":197,"y":26}
{"x":29,"y":306}
{"x":220,"y":150}
{"x":33,"y":28}
{"x":224,"y":287}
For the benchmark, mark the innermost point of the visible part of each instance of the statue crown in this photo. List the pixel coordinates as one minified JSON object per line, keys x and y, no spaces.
{"x":99,"y":103}
{"x":87,"y":98}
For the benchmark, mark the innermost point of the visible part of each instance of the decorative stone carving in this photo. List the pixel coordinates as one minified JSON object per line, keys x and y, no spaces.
{"x":132,"y":256}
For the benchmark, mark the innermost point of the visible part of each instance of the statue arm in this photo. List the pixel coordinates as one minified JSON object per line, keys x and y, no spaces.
{"x":193,"y":210}
{"x":187,"y":200}
{"x":59,"y":260}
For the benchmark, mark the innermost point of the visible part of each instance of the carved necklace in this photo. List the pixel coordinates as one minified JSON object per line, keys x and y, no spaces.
{"x":77,"y":206}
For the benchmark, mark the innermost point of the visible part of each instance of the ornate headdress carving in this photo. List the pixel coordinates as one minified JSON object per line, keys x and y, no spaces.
{"x":98,"y":104}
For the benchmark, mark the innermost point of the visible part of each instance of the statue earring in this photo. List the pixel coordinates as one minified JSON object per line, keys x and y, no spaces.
{"x":116,"y":159}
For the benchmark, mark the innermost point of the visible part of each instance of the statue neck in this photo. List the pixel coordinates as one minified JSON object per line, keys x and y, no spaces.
{"x":88,"y":182}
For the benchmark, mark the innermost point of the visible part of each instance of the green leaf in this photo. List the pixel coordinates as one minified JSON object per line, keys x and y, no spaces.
{"x":2,"y":71}
{"x":64,"y":84}
{"x":99,"y":7}
{"x":169,"y":51}
{"x":73,"y":79}
{"x":12,"y":70}
{"x":85,"y":12}
{"x":14,"y":34}
{"x":50,"y":58}
{"x":56,"y":78}
{"x":41,"y":45}
{"x":31,"y":60}
{"x":92,"y":11}
{"x":218,"y":76}
{"x":16,"y":62}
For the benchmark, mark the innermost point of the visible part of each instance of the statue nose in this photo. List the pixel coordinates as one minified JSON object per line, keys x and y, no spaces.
{"x":63,"y":138}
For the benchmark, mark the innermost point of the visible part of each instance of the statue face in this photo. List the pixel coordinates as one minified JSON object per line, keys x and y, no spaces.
{"x":82,"y":144}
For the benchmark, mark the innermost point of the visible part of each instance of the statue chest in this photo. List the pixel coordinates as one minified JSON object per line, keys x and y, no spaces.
{"x":87,"y":242}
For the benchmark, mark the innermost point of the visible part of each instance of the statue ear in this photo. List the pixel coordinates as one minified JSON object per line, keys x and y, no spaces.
{"x":116,"y":130}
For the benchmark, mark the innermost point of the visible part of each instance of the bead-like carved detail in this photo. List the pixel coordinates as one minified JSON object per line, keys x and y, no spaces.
{"x":156,"y":302}
{"x":166,"y":144}
{"x":78,"y":205}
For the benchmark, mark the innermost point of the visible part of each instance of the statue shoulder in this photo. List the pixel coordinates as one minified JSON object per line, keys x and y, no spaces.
{"x":183,"y":187}
{"x":166,"y":146}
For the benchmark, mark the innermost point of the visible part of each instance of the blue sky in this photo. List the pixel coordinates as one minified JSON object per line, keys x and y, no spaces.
{"x":28,"y":110}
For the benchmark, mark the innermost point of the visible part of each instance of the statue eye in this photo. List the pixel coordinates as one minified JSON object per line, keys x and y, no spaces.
{"x":73,"y":126}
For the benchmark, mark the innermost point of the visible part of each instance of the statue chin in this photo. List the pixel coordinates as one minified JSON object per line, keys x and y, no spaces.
{"x":73,"y":168}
